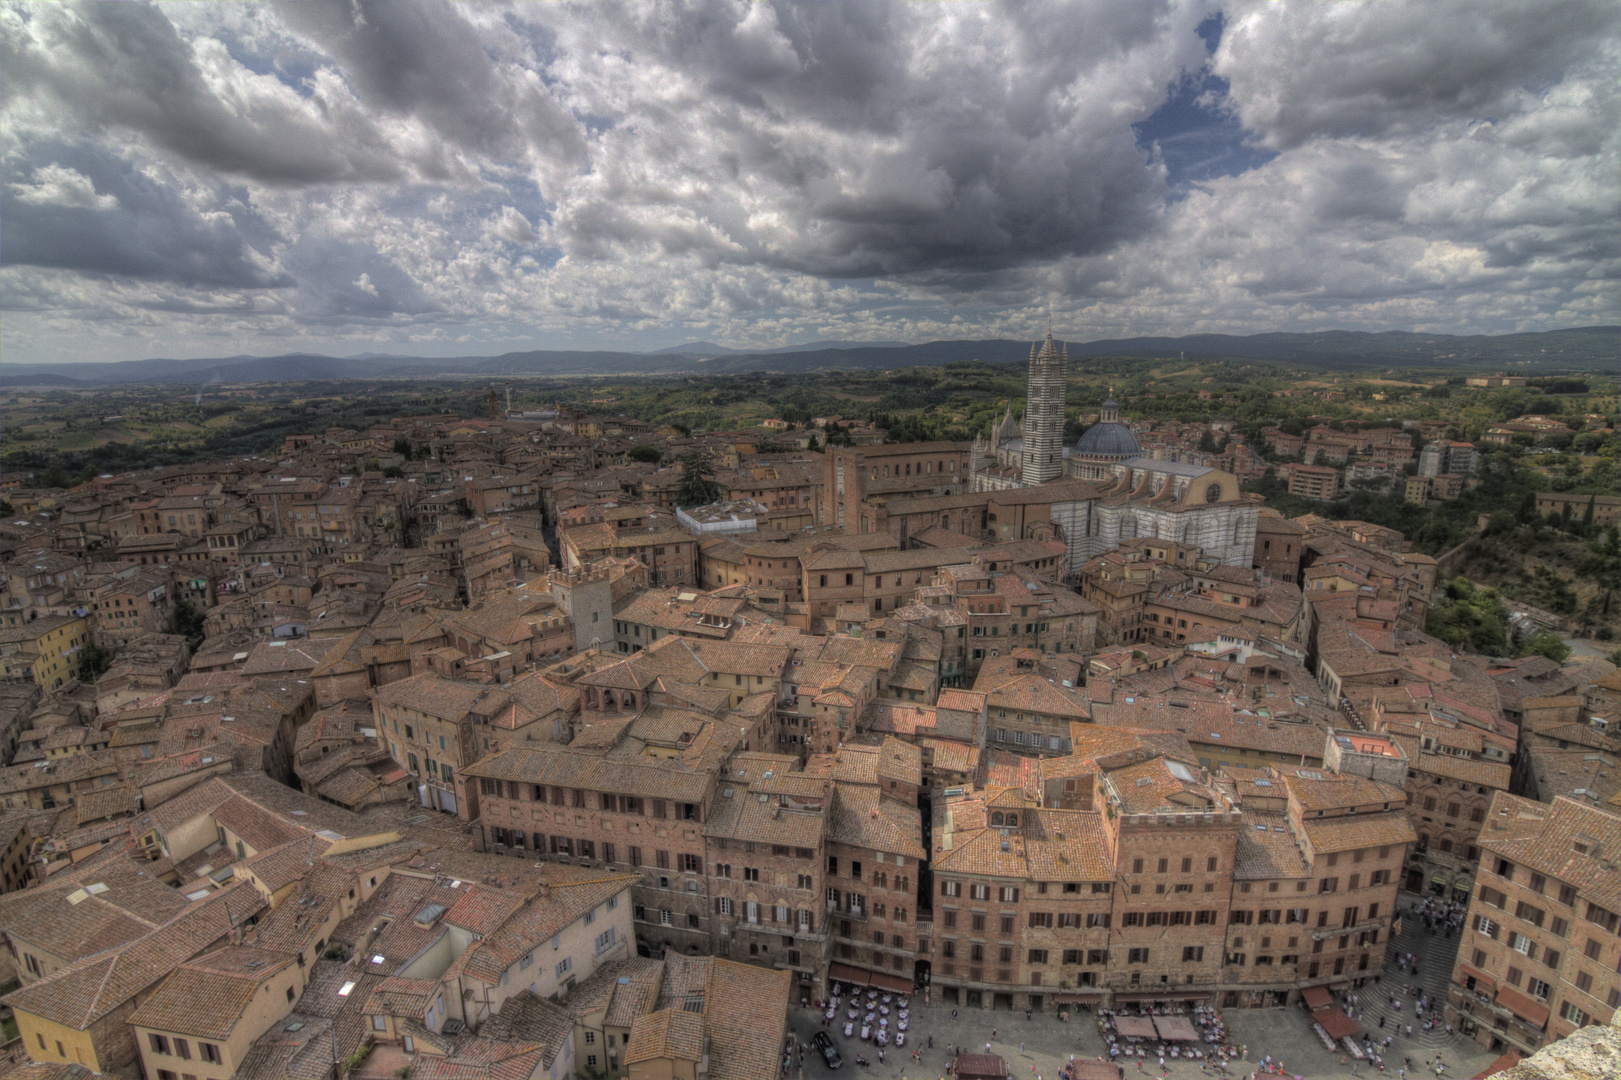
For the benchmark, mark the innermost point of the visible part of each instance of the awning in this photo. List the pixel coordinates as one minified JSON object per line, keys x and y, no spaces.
{"x":979,"y":1067}
{"x":1525,"y":1008}
{"x":1478,"y":975}
{"x":1094,"y":1070}
{"x":1166,"y":995}
{"x":846,"y":973}
{"x":897,"y":983}
{"x":1316,"y":997}
{"x":1135,"y":1027}
{"x":862,"y":977}
{"x":1337,"y":1024}
{"x":1176,"y":1029}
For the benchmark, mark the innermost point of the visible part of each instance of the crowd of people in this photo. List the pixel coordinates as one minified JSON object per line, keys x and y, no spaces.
{"x":1439,"y":916}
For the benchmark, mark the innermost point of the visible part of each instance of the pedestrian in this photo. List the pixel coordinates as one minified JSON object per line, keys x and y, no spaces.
{"x":953,"y":1016}
{"x":1409,"y":1031}
{"x":1381,"y":1021}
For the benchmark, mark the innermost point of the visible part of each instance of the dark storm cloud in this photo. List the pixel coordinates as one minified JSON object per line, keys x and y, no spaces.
{"x":850,"y":140}
{"x":423,"y":59}
{"x":81,"y":209}
{"x":879,"y":138}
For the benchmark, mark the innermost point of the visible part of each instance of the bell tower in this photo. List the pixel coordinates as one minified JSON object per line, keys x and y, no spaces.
{"x":1044,"y":413}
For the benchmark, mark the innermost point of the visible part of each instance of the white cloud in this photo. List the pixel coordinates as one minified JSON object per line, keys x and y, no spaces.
{"x":57,"y":186}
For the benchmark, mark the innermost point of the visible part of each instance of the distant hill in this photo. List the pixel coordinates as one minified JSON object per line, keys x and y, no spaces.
{"x":709,"y":348}
{"x":696,"y":348}
{"x":1590,"y":348}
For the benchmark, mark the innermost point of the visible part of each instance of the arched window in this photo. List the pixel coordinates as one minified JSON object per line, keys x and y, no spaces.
{"x":996,"y":818}
{"x":1013,"y":819}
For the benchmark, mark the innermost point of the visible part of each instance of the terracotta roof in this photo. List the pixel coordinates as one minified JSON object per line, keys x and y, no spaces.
{"x":1358,"y":831}
{"x":82,"y":993}
{"x":207,"y":996}
{"x":1545,"y":837}
{"x":1067,"y":845}
{"x":862,"y":817}
{"x":745,"y":1016}
{"x":667,"y":1033}
{"x":1267,"y":850}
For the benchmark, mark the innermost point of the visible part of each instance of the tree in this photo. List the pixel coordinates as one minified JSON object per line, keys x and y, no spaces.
{"x":1544,"y":643}
{"x":650,"y":454}
{"x":94,"y":662}
{"x":1472,"y":618}
{"x":188,"y":621}
{"x":698,"y":486}
{"x":55,"y":476}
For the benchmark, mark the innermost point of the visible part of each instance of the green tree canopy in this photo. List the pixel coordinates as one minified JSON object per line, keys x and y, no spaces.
{"x":698,"y":485}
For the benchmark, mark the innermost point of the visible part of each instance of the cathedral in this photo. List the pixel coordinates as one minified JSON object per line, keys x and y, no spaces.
{"x":1112,"y":491}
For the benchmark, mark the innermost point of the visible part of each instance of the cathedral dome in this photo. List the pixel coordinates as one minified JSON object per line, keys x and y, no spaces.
{"x":1108,"y":440}
{"x":1108,"y":437}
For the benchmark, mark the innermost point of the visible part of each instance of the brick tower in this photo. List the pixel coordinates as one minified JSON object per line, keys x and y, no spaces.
{"x":1044,"y":413}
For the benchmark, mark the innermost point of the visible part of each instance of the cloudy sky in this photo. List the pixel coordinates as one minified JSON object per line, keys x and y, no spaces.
{"x":203,"y":179}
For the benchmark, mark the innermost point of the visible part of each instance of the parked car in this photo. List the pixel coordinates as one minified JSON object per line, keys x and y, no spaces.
{"x":829,"y":1052}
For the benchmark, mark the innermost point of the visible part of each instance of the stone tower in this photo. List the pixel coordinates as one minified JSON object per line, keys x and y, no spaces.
{"x":1044,"y":413}
{"x":585,"y":595}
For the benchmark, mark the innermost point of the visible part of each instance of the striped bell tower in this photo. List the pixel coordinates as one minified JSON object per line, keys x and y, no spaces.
{"x":1044,"y":413}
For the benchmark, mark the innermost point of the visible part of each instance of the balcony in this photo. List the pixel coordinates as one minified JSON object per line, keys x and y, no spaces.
{"x":855,"y":915}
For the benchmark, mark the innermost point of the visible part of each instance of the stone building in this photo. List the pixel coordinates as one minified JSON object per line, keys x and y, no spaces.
{"x":1458,"y":758}
{"x":1146,"y":878}
{"x":1539,"y":950}
{"x":851,"y":474}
